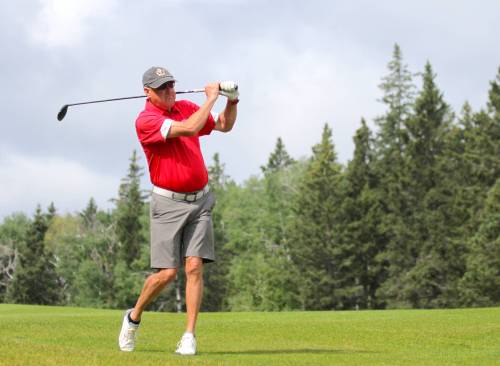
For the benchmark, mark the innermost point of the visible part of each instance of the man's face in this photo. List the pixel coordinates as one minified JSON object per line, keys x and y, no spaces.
{"x":163,"y":96}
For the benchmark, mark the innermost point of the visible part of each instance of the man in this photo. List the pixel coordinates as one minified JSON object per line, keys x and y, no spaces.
{"x":181,"y":204}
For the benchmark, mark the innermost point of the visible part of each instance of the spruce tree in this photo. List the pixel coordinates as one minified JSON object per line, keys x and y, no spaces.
{"x":215,"y":275}
{"x":278,"y":160}
{"x":35,"y":280}
{"x":482,"y":150}
{"x":482,"y":146}
{"x":128,"y":213}
{"x":279,"y":289}
{"x":278,"y":190}
{"x":398,"y":95}
{"x":481,"y":283}
{"x":432,"y":280}
{"x":390,"y":168}
{"x":361,"y":244}
{"x":313,"y":236}
{"x":89,"y":215}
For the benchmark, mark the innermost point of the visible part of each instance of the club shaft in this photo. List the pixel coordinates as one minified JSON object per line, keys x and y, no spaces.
{"x":138,"y":96}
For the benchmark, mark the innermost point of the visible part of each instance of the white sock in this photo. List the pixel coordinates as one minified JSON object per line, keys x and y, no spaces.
{"x":188,"y":334}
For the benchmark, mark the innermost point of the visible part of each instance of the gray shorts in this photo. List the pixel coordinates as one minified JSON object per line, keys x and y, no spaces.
{"x":181,"y":229}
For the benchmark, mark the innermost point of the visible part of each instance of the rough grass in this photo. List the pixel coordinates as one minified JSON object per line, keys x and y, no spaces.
{"x":38,"y":335}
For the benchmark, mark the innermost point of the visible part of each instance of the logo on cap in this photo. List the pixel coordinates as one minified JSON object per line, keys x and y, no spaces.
{"x":160,"y":72}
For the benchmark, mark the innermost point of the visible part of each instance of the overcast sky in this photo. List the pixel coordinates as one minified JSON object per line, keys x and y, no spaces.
{"x":299,"y":65}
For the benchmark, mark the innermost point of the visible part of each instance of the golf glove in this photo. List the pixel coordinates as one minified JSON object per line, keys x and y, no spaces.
{"x":232,"y":95}
{"x":228,"y":86}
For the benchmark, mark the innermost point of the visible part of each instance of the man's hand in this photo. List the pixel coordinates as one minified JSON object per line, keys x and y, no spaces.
{"x":229,"y":89}
{"x":212,"y":91}
{"x":231,"y":95}
{"x":228,"y":86}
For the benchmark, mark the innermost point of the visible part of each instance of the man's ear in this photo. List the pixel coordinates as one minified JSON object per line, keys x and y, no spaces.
{"x":147,"y":91}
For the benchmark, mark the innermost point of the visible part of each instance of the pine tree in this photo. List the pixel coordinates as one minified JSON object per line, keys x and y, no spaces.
{"x":215,"y":275}
{"x":482,"y":146}
{"x":482,"y":152}
{"x":279,"y":289}
{"x":128,"y":213}
{"x":244,"y":219}
{"x":35,"y":280}
{"x":432,"y":280}
{"x":361,"y":244}
{"x":313,"y":237}
{"x":279,"y":190}
{"x":398,"y":89}
{"x":89,"y":215}
{"x":278,"y":160}
{"x":481,"y":283}
{"x":390,"y":168}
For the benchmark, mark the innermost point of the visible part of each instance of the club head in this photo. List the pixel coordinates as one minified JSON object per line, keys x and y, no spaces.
{"x":62,"y":112}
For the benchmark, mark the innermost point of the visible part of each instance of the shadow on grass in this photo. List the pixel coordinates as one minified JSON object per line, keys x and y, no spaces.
{"x":274,"y":351}
{"x":286,"y":351}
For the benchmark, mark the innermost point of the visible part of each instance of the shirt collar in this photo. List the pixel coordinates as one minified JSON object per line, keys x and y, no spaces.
{"x":151,"y":107}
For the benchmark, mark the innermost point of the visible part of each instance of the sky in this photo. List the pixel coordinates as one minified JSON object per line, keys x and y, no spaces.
{"x":298,"y":64}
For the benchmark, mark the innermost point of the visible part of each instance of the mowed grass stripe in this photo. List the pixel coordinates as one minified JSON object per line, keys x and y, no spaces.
{"x":42,"y":335}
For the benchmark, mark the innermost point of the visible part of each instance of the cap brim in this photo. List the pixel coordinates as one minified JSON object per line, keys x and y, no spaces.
{"x":160,"y":82}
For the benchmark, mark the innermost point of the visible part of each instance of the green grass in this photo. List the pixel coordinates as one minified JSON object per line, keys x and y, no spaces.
{"x":38,"y":335}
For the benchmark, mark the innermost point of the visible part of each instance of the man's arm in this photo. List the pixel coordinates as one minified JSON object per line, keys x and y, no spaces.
{"x":226,"y":119}
{"x":197,"y":120}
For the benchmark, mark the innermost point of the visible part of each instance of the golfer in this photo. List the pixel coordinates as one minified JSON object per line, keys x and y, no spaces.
{"x":181,"y":203}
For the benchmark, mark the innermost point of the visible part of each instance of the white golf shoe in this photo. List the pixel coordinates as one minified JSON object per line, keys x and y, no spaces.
{"x":126,"y":339}
{"x":187,"y":345}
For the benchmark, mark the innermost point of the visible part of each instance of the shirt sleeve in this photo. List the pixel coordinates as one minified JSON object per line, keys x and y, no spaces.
{"x":209,"y":125}
{"x":152,"y":129}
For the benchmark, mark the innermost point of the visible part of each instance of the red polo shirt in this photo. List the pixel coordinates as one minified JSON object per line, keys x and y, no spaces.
{"x":174,"y":163}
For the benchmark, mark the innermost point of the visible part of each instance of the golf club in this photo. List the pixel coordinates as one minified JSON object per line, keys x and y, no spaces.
{"x":64,"y":109}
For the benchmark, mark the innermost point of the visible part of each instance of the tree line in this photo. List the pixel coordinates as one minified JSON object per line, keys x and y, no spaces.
{"x":411,"y":221}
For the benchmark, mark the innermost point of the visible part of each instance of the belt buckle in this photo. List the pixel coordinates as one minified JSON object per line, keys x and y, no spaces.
{"x":186,"y":197}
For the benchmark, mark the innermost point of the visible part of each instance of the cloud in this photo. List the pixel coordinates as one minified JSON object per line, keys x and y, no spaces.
{"x":28,"y":181}
{"x":62,"y":23}
{"x":298,"y":66}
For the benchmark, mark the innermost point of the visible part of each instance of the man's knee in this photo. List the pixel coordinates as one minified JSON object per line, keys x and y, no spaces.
{"x":194,"y":266}
{"x":164,"y":276}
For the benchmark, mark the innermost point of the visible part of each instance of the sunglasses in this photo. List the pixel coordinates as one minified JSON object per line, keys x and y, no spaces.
{"x":168,"y":84}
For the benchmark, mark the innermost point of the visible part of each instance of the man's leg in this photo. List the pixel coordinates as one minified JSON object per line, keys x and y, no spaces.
{"x":194,"y":290}
{"x":152,"y":287}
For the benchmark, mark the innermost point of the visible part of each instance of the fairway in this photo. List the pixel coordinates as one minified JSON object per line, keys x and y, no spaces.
{"x":37,"y":335}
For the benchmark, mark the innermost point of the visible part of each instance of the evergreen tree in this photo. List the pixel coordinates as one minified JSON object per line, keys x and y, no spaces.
{"x":278,"y":160}
{"x":279,"y":287}
{"x":215,"y":275}
{"x":51,"y":213}
{"x":482,"y":151}
{"x":243,"y":226}
{"x":426,"y":130}
{"x":481,"y":283}
{"x":128,"y":213}
{"x":432,"y":280}
{"x":313,"y":236}
{"x":279,"y":186}
{"x":360,"y":244}
{"x":482,"y":146}
{"x":398,"y":96}
{"x":35,"y":279}
{"x":389,"y":167}
{"x":89,"y":215}
{"x":262,"y":276}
